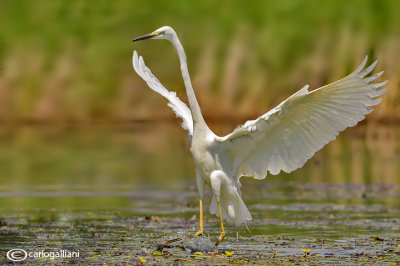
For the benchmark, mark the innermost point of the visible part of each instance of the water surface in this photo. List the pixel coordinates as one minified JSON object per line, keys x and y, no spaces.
{"x":113,"y":192}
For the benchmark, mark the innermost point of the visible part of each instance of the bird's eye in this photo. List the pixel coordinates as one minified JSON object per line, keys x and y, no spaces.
{"x":161,"y":33}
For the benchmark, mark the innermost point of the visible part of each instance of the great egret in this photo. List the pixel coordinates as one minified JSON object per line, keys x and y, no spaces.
{"x":282,"y":139}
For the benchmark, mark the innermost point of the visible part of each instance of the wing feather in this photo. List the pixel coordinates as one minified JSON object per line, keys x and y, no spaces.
{"x":287,"y":136}
{"x":180,"y":108}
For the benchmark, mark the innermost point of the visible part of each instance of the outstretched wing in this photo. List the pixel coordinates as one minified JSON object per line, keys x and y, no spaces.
{"x":180,"y":108}
{"x":288,"y":135}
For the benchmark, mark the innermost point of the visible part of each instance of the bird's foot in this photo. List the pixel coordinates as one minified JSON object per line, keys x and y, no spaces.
{"x":220,"y":238}
{"x":198,"y":233}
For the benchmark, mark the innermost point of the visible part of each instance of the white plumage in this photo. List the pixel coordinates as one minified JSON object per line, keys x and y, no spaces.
{"x":288,"y":135}
{"x":281,"y":140}
{"x":180,"y":108}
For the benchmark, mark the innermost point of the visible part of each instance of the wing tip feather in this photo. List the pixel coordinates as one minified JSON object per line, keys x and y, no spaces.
{"x":362,"y":65}
{"x":383,"y":83}
{"x":382,"y":91}
{"x":134,"y":60}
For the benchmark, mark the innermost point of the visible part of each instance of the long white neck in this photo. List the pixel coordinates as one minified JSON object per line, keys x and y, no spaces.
{"x":198,"y":121}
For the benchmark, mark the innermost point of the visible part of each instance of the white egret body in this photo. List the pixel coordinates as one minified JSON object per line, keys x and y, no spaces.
{"x":282,"y":139}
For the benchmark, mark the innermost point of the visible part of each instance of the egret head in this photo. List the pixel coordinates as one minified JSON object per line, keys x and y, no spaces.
{"x":165,"y":32}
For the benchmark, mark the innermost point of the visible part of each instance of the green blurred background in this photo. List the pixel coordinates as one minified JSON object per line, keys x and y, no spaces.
{"x":70,"y":61}
{"x":74,"y":114}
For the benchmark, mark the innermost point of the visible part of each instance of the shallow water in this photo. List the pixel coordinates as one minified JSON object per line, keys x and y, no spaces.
{"x":115,"y":192}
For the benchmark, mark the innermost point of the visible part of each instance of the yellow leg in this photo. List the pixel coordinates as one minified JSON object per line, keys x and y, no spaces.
{"x":222,"y":235}
{"x":200,"y":232}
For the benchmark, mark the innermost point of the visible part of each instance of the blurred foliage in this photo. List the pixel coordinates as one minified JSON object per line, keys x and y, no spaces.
{"x":70,"y":60}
